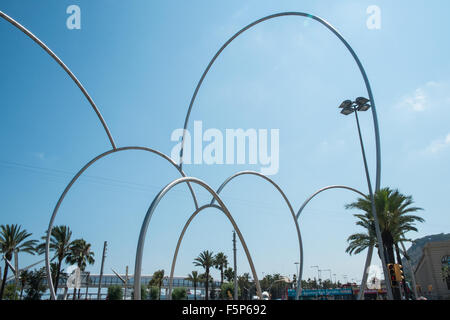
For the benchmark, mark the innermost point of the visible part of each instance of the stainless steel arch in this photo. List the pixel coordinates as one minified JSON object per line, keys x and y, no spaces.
{"x":180,"y":239}
{"x":70,"y":73}
{"x":151,"y":209}
{"x":69,"y":186}
{"x":322,"y":190}
{"x":340,"y":37}
{"x":300,"y":243}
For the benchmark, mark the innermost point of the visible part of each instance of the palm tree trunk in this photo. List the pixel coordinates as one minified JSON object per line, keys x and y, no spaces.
{"x":4,"y":280}
{"x":195,"y":290}
{"x":207,"y":284}
{"x":21,"y":291}
{"x":58,"y":272}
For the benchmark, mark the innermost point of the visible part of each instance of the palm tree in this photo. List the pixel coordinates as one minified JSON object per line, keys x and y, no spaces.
{"x":393,"y":210}
{"x":220,"y":263}
{"x":80,"y":254}
{"x":157,"y":279}
{"x":13,"y":239}
{"x":194,"y":278}
{"x":25,"y":276}
{"x":229,"y":274}
{"x":206,"y":261}
{"x":60,"y":244}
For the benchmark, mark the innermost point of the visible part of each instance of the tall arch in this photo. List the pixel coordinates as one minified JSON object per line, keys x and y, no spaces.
{"x":299,"y":237}
{"x":66,"y":69}
{"x":148,"y":216}
{"x":339,"y":36}
{"x":71,"y":183}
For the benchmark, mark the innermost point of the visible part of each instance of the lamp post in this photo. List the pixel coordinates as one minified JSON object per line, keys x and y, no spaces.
{"x":348,"y":107}
{"x":296,"y":264}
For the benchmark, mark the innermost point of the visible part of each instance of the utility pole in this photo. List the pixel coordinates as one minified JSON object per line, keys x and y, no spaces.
{"x":126,"y":283}
{"x":235,"y":267}
{"x":101,"y":271}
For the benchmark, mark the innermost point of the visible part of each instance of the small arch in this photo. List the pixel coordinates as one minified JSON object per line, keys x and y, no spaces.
{"x":148,"y":216}
{"x":300,"y":243}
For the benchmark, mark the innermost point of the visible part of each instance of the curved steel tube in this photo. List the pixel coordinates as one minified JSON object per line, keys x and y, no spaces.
{"x":322,"y":190}
{"x":300,"y":243}
{"x":180,"y":239}
{"x":71,"y":75}
{"x":74,"y":179}
{"x":337,"y":34}
{"x":151,"y":209}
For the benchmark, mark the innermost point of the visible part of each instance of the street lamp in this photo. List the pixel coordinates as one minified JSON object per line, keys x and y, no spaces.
{"x":296,"y":265}
{"x":348,"y":107}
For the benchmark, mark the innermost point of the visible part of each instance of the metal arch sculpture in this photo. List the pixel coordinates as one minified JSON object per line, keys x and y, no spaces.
{"x":366,"y":82}
{"x":300,"y":243}
{"x":340,"y":37}
{"x":180,"y":239}
{"x":69,"y":186}
{"x":148,"y":216}
{"x":70,"y":73}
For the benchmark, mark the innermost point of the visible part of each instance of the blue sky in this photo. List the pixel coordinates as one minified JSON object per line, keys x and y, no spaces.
{"x":141,"y":61}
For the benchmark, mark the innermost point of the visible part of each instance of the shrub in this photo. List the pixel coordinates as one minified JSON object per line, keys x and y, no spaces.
{"x":179,"y":294}
{"x":114,"y":293}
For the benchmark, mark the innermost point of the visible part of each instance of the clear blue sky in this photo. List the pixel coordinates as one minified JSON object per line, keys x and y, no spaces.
{"x":141,"y":60}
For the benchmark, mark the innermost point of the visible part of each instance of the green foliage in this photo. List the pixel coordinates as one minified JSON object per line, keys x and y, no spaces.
{"x":36,"y":287}
{"x":154,"y":293}
{"x":227,"y":291}
{"x":80,"y":254}
{"x":10,"y":292}
{"x":115,"y":293}
{"x":229,"y":274}
{"x":394,"y":215}
{"x":157,"y":280}
{"x":179,"y":294}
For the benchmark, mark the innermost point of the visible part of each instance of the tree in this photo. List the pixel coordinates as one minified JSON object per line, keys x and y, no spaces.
{"x":393,"y":211}
{"x":13,"y":239}
{"x":227,"y":291}
{"x":220,"y":263}
{"x":243,"y":284}
{"x":11,"y":292}
{"x":24,"y":277}
{"x":179,"y":294}
{"x":194,"y":278}
{"x":80,"y":254}
{"x":60,"y":245}
{"x":205,"y":260}
{"x":154,"y":292}
{"x":229,"y":274}
{"x":114,"y":292}
{"x":36,"y":287}
{"x":157,"y":280}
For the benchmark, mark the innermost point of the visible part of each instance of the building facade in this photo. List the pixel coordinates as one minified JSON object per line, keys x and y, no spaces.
{"x":432,"y":277}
